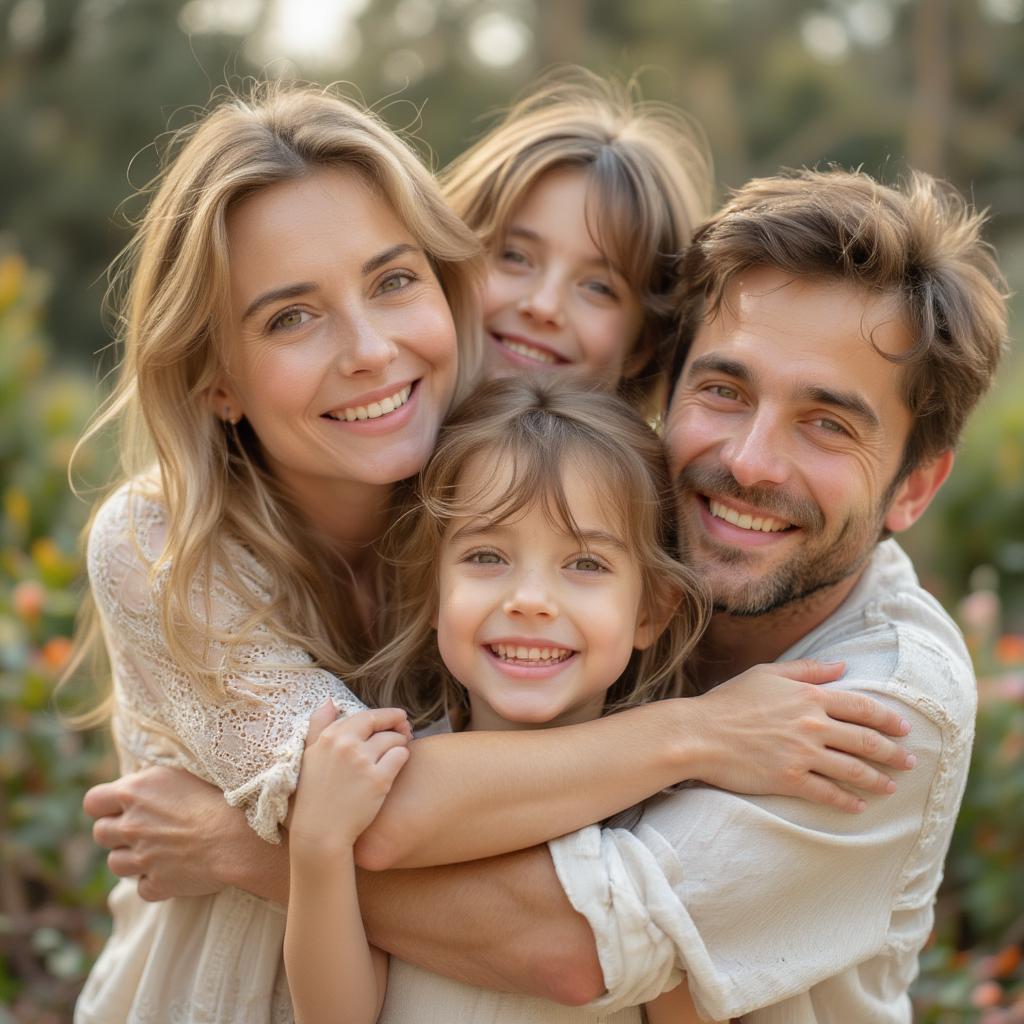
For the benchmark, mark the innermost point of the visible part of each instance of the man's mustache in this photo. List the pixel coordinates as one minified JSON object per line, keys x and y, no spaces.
{"x":718,"y":482}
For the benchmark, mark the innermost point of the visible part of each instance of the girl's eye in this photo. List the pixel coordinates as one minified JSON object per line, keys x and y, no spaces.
{"x":484,"y":558}
{"x":289,"y":318}
{"x":586,"y":564}
{"x":600,"y":288}
{"x":400,"y":279}
{"x":513,"y":256}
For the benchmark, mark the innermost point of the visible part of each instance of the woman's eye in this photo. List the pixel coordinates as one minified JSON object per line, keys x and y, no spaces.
{"x":289,"y":318}
{"x":586,"y":564}
{"x":397,"y":281}
{"x":513,"y":256}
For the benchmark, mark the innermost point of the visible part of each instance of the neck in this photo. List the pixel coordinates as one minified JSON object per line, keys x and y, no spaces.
{"x":734,"y":643}
{"x":352,"y":516}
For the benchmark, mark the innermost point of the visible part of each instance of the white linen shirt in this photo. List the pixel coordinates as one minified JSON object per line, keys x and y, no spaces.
{"x":781,"y":910}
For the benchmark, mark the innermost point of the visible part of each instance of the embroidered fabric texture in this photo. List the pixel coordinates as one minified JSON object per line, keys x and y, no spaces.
{"x":212,"y":958}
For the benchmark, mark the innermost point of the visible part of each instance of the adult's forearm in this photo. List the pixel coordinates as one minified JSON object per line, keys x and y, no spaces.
{"x":503,"y":923}
{"x":473,"y":795}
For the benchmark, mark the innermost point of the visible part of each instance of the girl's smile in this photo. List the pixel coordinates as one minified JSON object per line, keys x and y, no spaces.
{"x":552,"y":299}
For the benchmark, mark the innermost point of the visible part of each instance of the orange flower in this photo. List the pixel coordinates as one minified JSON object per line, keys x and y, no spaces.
{"x":56,"y":652}
{"x":1010,"y":649}
{"x":28,"y":598}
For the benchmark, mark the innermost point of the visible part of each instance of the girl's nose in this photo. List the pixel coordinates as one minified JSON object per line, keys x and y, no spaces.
{"x":755,"y":453}
{"x":529,"y":597}
{"x":543,"y":301}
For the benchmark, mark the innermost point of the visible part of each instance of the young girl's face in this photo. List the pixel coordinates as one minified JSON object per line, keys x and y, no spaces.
{"x":551,"y":298}
{"x":341,"y":348}
{"x":534,"y":626}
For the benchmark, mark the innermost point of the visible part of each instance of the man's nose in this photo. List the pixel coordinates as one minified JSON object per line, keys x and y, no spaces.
{"x":757,"y":452}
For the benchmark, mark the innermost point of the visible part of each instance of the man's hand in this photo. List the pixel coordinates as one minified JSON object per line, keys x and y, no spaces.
{"x":171,"y":829}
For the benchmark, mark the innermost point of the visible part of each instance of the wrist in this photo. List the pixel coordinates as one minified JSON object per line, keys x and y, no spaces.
{"x":692,"y":749}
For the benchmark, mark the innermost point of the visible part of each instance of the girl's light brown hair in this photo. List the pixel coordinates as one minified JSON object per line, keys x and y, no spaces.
{"x":650,"y":174}
{"x":538,"y":428}
{"x":170,"y":290}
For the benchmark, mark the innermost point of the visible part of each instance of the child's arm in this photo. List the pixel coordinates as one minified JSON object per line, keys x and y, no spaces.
{"x":673,"y":1007}
{"x":334,"y":975}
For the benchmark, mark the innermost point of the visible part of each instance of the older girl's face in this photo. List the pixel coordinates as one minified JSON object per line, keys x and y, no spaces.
{"x":341,"y":350}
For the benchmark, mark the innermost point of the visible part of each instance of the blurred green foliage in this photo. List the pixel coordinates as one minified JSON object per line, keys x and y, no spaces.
{"x":53,"y":880}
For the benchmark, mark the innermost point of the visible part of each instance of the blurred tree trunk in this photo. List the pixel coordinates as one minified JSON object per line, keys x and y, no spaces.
{"x":930,"y":107}
{"x":561,"y":34}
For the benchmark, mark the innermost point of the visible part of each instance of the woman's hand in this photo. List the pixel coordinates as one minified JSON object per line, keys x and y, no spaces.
{"x":172,"y":830}
{"x":347,"y":771}
{"x":768,"y":732}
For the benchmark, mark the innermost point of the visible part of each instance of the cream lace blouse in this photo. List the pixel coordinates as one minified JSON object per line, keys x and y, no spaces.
{"x":210,"y":958}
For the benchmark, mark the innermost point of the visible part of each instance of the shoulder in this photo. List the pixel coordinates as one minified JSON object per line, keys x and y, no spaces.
{"x":895,"y":637}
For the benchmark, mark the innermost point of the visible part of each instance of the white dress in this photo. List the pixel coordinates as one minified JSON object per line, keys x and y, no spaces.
{"x":206,"y":959}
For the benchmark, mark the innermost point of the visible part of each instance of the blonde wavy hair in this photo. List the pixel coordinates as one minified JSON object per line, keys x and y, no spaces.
{"x":170,"y":290}
{"x":538,"y":427}
{"x":648,"y":165}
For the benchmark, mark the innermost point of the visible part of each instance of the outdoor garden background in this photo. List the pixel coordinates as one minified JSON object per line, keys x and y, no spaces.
{"x":87,"y":85}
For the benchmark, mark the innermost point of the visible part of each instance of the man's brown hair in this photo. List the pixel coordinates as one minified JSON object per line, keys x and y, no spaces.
{"x":918,"y":241}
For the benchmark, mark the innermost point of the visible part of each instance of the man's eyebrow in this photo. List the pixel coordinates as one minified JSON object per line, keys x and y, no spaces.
{"x":719,"y":364}
{"x":382,"y":258}
{"x":849,"y":401}
{"x":288,"y":291}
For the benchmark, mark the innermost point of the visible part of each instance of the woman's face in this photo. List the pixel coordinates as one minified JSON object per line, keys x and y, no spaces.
{"x":341,"y":350}
{"x":551,"y":298}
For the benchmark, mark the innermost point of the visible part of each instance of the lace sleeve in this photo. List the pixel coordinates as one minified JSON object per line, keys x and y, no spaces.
{"x":249,"y":742}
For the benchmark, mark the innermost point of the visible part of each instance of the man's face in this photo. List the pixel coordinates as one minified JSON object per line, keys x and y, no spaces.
{"x":785,"y":433}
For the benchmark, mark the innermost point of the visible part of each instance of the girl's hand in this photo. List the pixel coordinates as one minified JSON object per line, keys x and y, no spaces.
{"x":347,"y":771}
{"x":769,"y":732}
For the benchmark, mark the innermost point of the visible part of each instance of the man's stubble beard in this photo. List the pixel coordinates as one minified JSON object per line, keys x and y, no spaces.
{"x":817,"y":565}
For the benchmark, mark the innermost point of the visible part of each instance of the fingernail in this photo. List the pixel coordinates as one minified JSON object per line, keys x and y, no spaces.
{"x":904,"y":727}
{"x":890,"y":786}
{"x":911,"y":760}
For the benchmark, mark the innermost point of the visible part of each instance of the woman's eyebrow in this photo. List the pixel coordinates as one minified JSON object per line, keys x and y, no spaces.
{"x":382,"y":258}
{"x":288,"y":291}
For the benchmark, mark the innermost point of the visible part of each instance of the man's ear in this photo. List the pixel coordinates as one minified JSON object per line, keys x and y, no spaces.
{"x":915,"y":493}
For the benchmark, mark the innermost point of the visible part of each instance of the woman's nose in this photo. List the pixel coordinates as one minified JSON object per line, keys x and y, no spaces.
{"x":366,"y":350}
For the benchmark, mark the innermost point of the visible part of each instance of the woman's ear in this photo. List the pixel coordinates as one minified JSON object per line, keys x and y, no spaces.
{"x":224,"y":402}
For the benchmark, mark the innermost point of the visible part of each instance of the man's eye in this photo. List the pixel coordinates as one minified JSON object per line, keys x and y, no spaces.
{"x":289,"y":318}
{"x":723,"y":391}
{"x":830,"y":426}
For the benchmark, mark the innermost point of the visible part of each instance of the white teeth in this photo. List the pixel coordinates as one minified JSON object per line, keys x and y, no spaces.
{"x":764,"y":524}
{"x":374,"y":409}
{"x":537,"y":354}
{"x":518,"y":652}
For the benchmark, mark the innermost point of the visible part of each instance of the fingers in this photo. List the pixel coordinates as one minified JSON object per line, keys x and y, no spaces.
{"x":807,"y":670}
{"x":863,"y":710}
{"x":319,"y":720}
{"x":378,"y":745}
{"x":124,"y":863}
{"x":365,"y":723}
{"x":392,"y":762}
{"x":854,"y":772}
{"x":822,"y":791}
{"x":109,"y":833}
{"x":870,"y":745}
{"x":104,"y":799}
